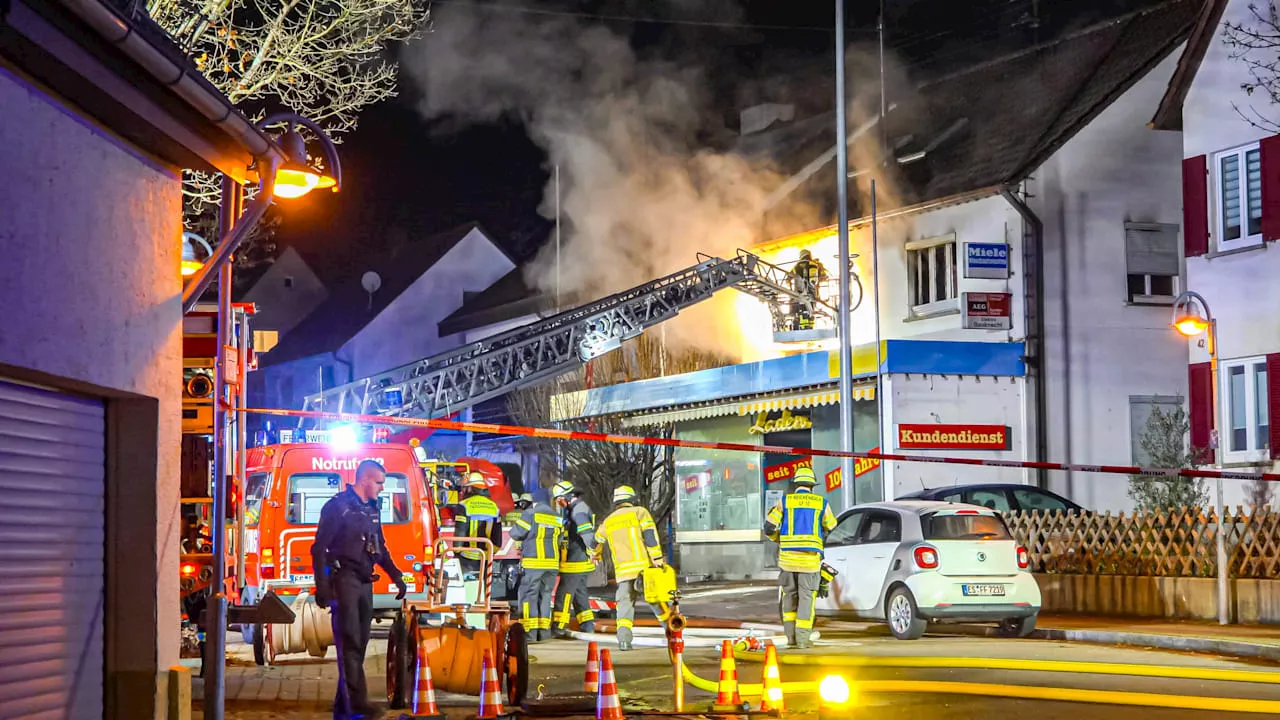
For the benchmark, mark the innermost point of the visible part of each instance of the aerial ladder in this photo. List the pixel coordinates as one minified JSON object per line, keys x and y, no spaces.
{"x":531,"y":354}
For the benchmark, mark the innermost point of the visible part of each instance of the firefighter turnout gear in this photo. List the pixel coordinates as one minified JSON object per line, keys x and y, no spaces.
{"x":632,"y":538}
{"x":476,"y":516}
{"x":576,"y":563}
{"x":799,"y":525}
{"x":539,"y":532}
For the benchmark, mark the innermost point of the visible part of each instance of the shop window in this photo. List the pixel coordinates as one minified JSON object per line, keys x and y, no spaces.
{"x":1152,"y":263}
{"x":931,"y":275}
{"x":1245,"y":411}
{"x":1140,"y":408}
{"x":1237,"y":177}
{"x":719,"y":489}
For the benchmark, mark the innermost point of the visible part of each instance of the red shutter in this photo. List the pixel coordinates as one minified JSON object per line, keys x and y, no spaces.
{"x":1273,"y":403}
{"x":1195,"y":205}
{"x":1270,"y":156}
{"x":1200,"y":386}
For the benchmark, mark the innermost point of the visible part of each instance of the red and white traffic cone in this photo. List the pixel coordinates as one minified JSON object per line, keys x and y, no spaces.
{"x":772,"y":697}
{"x":490,"y":690}
{"x":727,"y":697}
{"x":591,"y":681}
{"x":424,"y":689}
{"x":608,"y":704}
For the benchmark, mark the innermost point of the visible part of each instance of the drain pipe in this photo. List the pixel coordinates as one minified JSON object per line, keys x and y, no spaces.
{"x":1035,"y":322}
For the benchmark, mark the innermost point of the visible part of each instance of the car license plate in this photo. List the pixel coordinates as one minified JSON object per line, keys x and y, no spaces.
{"x":982,"y":590}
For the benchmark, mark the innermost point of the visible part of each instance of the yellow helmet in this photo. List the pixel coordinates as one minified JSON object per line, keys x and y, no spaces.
{"x":805,"y":476}
{"x":564,"y":488}
{"x":624,"y":493}
{"x":476,"y":480}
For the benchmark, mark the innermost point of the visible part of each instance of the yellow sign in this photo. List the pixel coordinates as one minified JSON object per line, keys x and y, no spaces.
{"x":864,"y":360}
{"x":786,"y":421}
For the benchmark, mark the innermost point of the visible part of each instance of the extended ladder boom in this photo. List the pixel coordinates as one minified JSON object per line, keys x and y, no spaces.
{"x":528,"y":355}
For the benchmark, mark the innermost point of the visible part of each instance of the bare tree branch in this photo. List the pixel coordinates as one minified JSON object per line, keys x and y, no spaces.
{"x":1256,"y":43}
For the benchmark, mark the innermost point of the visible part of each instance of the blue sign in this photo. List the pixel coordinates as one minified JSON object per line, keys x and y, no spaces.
{"x":986,"y":260}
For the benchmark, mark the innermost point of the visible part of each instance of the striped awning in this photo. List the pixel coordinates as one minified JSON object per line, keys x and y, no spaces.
{"x":803,"y":400}
{"x":682,"y":415}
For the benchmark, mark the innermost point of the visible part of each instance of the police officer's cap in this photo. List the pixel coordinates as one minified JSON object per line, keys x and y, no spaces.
{"x":805,"y":476}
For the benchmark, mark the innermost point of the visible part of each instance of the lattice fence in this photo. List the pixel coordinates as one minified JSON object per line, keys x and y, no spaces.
{"x":1174,"y":543}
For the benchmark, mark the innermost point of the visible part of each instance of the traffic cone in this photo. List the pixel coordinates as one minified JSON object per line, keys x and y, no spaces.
{"x":772,"y":698}
{"x":424,"y":689}
{"x":727,"y":697}
{"x":490,"y":689}
{"x":608,"y":704}
{"x":591,"y":681}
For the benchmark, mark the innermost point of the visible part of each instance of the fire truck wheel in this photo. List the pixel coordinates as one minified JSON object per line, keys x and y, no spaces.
{"x":259,"y":644}
{"x":517,"y":665}
{"x":398,"y":666}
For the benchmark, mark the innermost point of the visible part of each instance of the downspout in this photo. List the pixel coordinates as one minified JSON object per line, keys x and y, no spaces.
{"x":1035,"y":322}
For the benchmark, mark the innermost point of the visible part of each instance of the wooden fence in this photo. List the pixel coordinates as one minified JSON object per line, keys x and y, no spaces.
{"x":1171,"y":543}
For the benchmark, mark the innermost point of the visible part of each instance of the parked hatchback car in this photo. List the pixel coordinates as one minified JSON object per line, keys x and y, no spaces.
{"x":913,"y":562}
{"x":998,"y":497}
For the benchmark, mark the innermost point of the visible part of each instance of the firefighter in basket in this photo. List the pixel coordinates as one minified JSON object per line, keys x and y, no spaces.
{"x":807,"y":276}
{"x":799,"y":524}
{"x":538,"y":531}
{"x":576,"y":564}
{"x":632,"y":539}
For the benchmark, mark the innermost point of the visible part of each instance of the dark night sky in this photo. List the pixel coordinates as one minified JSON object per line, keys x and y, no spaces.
{"x":405,"y":180}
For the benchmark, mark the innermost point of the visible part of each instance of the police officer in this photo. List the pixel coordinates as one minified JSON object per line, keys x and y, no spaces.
{"x":632,"y":539}
{"x":576,"y":563}
{"x":799,"y":525}
{"x":349,"y":543}
{"x":476,"y":516}
{"x":538,"y":531}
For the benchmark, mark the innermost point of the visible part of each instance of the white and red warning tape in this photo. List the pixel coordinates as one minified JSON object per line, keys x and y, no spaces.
{"x":554,"y":434}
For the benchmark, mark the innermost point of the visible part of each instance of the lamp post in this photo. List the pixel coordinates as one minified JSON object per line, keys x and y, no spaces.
{"x":293,"y":178}
{"x":843,"y":307}
{"x":1192,"y":316}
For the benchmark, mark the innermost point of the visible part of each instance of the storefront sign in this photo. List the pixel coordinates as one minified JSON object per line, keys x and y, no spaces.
{"x":861,"y":466}
{"x":785,"y":471}
{"x":953,"y":437}
{"x":986,"y":311}
{"x":986,"y":260}
{"x":785,"y":421}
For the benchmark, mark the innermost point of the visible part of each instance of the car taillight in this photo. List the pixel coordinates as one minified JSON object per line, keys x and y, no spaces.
{"x":1024,"y":558}
{"x":926,"y":557}
{"x":268,"y":572}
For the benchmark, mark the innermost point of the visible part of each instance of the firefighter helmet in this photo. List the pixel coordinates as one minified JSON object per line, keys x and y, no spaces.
{"x":564,"y":488}
{"x":476,"y":480}
{"x":624,"y":493}
{"x":805,"y":255}
{"x":805,"y":476}
{"x":525,"y":500}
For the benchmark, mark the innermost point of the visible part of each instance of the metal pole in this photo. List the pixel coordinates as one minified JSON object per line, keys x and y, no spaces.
{"x":242,"y":442}
{"x":848,"y":493}
{"x":875,"y":292}
{"x":557,"y":238}
{"x":216,"y":610}
{"x":1220,"y":509}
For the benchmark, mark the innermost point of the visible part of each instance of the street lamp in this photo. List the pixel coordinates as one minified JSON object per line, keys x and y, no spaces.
{"x":190,"y":263}
{"x":296,"y":177}
{"x":1191,"y":317}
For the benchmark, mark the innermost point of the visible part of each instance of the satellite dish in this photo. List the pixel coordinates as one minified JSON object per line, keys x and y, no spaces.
{"x":371,"y":281}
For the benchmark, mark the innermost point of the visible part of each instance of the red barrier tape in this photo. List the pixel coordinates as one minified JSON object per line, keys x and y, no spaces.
{"x":742,"y":447}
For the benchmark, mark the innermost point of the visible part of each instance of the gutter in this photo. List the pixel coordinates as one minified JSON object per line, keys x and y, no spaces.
{"x":1035,"y":327}
{"x":177,"y":77}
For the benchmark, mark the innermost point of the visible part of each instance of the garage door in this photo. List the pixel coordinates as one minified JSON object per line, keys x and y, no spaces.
{"x":52,"y":483}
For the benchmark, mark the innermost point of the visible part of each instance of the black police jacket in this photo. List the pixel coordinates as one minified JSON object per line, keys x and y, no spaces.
{"x":349,"y":539}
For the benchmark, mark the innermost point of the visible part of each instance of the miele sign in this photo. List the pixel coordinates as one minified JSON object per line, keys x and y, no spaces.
{"x":330,"y":464}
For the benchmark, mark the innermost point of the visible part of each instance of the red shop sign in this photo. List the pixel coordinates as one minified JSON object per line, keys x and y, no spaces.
{"x":785,"y":471}
{"x":953,"y":437}
{"x":861,"y":466}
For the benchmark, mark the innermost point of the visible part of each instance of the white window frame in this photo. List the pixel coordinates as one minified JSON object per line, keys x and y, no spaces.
{"x":935,"y":306}
{"x":1253,"y":453}
{"x":1219,"y":218}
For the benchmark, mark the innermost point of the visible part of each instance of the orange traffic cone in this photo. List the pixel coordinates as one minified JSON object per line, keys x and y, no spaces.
{"x":727,"y":698}
{"x":772,"y":698}
{"x":424,"y":688}
{"x":591,"y":681}
{"x":490,"y":689}
{"x":608,"y":705}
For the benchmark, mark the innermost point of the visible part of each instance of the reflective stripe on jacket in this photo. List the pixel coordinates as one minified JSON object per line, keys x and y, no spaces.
{"x":477,"y":519}
{"x":539,"y":530}
{"x":580,"y":538}
{"x":632,"y":538}
{"x":798,"y":524}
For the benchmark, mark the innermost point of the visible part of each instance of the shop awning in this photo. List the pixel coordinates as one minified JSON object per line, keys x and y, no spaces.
{"x":803,"y":400}
{"x":750,"y":406}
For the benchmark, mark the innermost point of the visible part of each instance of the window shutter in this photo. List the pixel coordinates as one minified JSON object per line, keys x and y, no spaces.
{"x":1273,"y":404}
{"x":1270,"y":156}
{"x":1151,"y":248}
{"x":1200,"y":386}
{"x":1195,"y":205}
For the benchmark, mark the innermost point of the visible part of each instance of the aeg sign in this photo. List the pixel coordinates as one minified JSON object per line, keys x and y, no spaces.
{"x":331,"y":464}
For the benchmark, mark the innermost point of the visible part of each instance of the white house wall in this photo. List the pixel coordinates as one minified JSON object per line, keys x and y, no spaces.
{"x":408,"y":329}
{"x":282,"y":305}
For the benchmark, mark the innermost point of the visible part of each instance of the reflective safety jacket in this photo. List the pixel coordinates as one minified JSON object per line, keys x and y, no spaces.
{"x":632,"y":538}
{"x":798,"y":524}
{"x":580,"y":538}
{"x":477,"y":516}
{"x":538,"y":531}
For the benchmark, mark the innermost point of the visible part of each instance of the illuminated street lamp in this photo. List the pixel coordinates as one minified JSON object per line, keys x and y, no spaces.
{"x":190,"y":264}
{"x":1191,"y":317}
{"x":296,"y":177}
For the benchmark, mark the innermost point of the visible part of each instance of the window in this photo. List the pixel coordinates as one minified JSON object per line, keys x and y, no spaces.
{"x":719,"y":489}
{"x":1140,"y":409}
{"x":255,"y":491}
{"x":931,"y":275}
{"x":881,"y":527}
{"x":308,"y":492}
{"x":1246,"y":417}
{"x":846,"y":531}
{"x":1238,"y":190}
{"x":994,"y":499}
{"x":964,"y":527}
{"x":1151,"y":261}
{"x":1029,"y":500}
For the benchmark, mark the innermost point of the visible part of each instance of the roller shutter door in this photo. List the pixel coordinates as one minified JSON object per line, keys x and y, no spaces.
{"x":52,"y":504}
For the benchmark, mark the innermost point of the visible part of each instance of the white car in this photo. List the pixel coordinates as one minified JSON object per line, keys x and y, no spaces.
{"x":912,"y":562}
